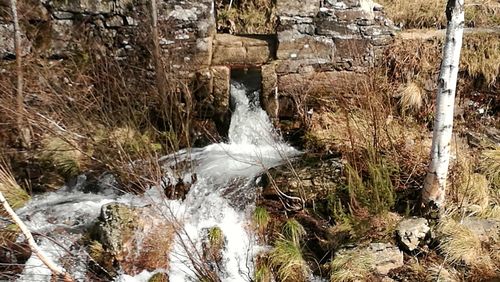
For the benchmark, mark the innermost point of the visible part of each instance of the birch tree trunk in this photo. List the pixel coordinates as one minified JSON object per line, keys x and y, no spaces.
{"x":435,"y":182}
{"x":56,"y":270}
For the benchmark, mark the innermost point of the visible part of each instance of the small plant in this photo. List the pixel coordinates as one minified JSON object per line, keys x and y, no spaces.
{"x":293,"y":231}
{"x":262,"y":270}
{"x":375,"y":190}
{"x":261,"y":218}
{"x":352,"y":265}
{"x":286,"y":257}
{"x":216,"y":237}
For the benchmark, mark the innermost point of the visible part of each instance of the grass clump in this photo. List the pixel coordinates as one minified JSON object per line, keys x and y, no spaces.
{"x":411,"y":97}
{"x":490,"y":165}
{"x":261,"y":218}
{"x":13,"y":193}
{"x":461,"y":245}
{"x":351,"y":265}
{"x":62,"y":154}
{"x":293,"y":231}
{"x":480,"y":56}
{"x":287,"y":259}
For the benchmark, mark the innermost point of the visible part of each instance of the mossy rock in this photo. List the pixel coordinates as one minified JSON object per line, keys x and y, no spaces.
{"x":129,"y":239}
{"x":311,"y":176}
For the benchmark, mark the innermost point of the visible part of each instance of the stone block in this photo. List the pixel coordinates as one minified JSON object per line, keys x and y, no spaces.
{"x":305,"y":8}
{"x":241,"y":50}
{"x":324,"y":82}
{"x":221,"y":76}
{"x":332,"y":27}
{"x":269,"y":94}
{"x":358,"y":52}
{"x":295,"y":46}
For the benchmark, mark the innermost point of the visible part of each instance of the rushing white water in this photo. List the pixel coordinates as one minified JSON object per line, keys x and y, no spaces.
{"x":223,"y":195}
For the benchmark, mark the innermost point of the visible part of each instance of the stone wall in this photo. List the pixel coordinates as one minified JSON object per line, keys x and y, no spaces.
{"x":318,"y":43}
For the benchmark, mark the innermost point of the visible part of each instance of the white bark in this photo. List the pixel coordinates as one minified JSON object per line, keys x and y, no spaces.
{"x":435,"y":182}
{"x":57,"y":270}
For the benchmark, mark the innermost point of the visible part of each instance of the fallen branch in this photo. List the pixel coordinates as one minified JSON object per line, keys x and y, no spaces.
{"x":56,"y":270}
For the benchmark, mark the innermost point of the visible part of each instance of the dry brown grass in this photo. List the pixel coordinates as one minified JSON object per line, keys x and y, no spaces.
{"x":461,"y":245}
{"x":431,"y":13}
{"x":97,"y":114}
{"x":480,"y":56}
{"x":247,"y":17}
{"x":418,"y":60}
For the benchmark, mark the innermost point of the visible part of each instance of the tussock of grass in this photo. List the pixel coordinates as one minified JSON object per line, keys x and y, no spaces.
{"x":286,"y":257}
{"x":420,"y":59}
{"x":459,"y":244}
{"x":431,"y":14}
{"x":351,"y":266}
{"x":490,"y":165}
{"x":13,"y":193}
{"x":262,"y":271}
{"x":411,"y":97}
{"x":480,"y":56}
{"x":63,"y":154}
{"x":261,"y":218}
{"x":216,"y":238}
{"x":293,"y":231}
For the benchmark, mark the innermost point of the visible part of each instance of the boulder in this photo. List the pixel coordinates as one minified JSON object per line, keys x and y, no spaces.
{"x":131,"y":239}
{"x":487,"y":229}
{"x":412,"y":232}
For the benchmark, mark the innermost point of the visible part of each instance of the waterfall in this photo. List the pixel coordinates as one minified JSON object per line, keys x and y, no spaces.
{"x":223,"y":196}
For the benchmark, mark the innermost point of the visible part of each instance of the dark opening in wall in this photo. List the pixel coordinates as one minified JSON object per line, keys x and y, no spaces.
{"x":251,"y":78}
{"x":246,"y":16}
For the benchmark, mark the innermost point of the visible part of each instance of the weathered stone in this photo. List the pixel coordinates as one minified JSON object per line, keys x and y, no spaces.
{"x":380,"y":257}
{"x":240,"y":50}
{"x":269,"y":93}
{"x":61,"y":15}
{"x":488,"y":230}
{"x":303,"y":66}
{"x":114,"y":21}
{"x":355,"y":51}
{"x":353,"y":15}
{"x":7,"y":41}
{"x":130,"y":239}
{"x":313,"y":176}
{"x":411,"y":232}
{"x":221,"y":87}
{"x":385,"y":257}
{"x":296,"y":46}
{"x":327,"y":82}
{"x":330,"y":26}
{"x":303,"y":8}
